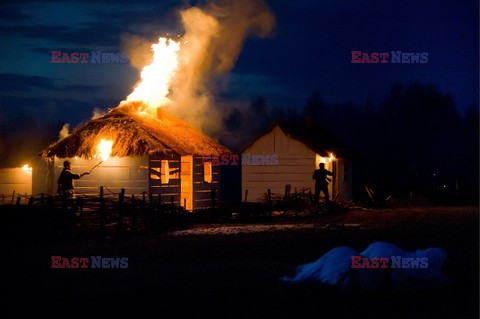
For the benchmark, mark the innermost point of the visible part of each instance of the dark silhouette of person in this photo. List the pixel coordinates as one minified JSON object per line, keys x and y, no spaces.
{"x":321,"y":182}
{"x":66,"y":187}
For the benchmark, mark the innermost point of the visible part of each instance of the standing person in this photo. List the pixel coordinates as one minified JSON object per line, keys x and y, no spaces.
{"x":66,"y":187}
{"x":321,"y":182}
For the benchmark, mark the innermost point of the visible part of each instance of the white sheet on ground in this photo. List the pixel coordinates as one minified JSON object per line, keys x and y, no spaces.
{"x":334,"y":268}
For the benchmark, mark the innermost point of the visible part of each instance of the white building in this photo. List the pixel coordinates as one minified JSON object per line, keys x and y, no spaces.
{"x":299,"y":150}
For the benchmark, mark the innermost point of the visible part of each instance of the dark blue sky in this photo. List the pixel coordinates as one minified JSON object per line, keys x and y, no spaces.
{"x":308,"y":52}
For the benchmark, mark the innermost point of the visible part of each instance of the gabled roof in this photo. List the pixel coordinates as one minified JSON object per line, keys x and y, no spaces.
{"x":317,"y":139}
{"x":136,"y":134}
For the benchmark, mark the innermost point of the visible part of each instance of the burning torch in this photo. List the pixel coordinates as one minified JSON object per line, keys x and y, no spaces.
{"x":104,"y":149}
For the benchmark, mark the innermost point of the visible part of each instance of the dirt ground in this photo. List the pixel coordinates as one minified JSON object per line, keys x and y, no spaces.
{"x":232,"y":270}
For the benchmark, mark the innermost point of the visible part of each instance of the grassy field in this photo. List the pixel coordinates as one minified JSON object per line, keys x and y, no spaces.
{"x":232,"y":270}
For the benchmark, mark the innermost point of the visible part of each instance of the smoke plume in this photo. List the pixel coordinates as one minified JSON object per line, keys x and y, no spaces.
{"x":96,"y":113}
{"x":64,"y":132}
{"x":214,"y":35}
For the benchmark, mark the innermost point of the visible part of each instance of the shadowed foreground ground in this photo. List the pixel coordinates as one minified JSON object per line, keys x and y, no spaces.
{"x":207,"y":272}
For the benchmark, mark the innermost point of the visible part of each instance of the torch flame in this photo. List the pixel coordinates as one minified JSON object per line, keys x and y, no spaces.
{"x":104,"y":149}
{"x":26,"y":168}
{"x":331,"y":158}
{"x":156,"y":77}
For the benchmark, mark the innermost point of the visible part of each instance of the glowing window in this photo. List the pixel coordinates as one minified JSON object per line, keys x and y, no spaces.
{"x":165,"y":172}
{"x":207,"y":172}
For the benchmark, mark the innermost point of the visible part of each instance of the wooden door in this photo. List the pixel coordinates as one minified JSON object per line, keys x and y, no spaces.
{"x":186,"y":177}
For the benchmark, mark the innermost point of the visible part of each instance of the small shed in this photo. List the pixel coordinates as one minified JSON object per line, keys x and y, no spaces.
{"x":300,"y":150}
{"x":160,"y":155}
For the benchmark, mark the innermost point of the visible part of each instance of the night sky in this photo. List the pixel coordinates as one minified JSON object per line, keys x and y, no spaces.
{"x":308,"y":52}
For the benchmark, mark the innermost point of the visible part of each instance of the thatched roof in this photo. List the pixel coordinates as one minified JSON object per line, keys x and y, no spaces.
{"x":135,"y":134}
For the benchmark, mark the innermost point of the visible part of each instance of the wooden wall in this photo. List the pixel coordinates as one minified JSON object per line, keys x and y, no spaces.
{"x":137,"y":175}
{"x":296,"y":164}
{"x":42,"y":177}
{"x":202,"y":191}
{"x":168,"y":190}
{"x":344,"y":180}
{"x":116,"y":173}
{"x":15,"y":179}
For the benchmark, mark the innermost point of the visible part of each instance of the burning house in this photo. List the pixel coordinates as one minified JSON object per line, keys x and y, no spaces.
{"x":141,"y":153}
{"x":143,"y":147}
{"x":300,"y":150}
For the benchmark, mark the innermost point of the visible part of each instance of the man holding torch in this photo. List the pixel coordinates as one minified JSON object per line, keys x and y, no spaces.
{"x":66,"y":187}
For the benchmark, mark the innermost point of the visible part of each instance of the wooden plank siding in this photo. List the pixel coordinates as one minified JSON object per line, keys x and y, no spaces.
{"x":143,"y":174}
{"x":296,"y":164}
{"x":116,"y":173}
{"x":15,"y":179}
{"x":202,"y":190}
{"x":172,"y":188}
{"x":344,"y":180}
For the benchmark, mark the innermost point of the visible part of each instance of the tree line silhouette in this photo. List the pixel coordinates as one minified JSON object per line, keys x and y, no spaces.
{"x":413,"y":144}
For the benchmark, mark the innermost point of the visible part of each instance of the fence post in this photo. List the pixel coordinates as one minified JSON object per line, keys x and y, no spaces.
{"x":121,"y":196}
{"x":13,"y":196}
{"x":269,"y":192}
{"x":213,"y":191}
{"x":134,"y":216}
{"x":121,"y":200}
{"x":102,"y":210}
{"x":80,"y":204}
{"x":50,"y":202}
{"x":30,"y":201}
{"x":285,"y":198}
{"x":246,"y":195}
{"x":18,"y":200}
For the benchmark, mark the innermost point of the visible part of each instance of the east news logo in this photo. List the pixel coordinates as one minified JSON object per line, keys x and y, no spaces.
{"x":83,"y":57}
{"x":392,"y":57}
{"x":92,"y":262}
{"x":392,"y":262}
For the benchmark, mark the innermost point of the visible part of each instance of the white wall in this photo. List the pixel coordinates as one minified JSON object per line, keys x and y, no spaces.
{"x":14,"y":179}
{"x":296,"y":164}
{"x":116,"y":173}
{"x":344,"y":187}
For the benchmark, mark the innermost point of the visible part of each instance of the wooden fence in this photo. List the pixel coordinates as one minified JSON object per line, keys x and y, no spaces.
{"x":105,"y":210}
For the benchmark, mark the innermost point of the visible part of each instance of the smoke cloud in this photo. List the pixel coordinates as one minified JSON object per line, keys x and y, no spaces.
{"x":138,"y":49}
{"x":64,"y":132}
{"x":214,"y":35}
{"x":96,"y":113}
